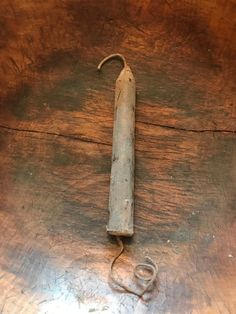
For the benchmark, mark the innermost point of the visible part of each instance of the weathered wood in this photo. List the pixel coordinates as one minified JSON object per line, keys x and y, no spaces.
{"x":55,"y":145}
{"x":121,"y":198}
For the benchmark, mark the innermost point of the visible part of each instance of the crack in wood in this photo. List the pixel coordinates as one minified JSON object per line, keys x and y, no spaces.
{"x":88,"y":140}
{"x":188,"y":130}
{"x":54,"y":134}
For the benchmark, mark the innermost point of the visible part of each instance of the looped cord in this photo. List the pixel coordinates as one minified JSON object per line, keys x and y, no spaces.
{"x":148,"y":266}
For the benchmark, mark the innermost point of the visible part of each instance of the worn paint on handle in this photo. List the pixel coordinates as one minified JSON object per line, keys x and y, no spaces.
{"x":121,"y":198}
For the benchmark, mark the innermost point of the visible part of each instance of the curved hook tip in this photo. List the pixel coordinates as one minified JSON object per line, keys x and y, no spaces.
{"x":114,"y":55}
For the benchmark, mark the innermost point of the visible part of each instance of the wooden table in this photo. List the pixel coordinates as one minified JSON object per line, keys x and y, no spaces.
{"x":56,"y":118}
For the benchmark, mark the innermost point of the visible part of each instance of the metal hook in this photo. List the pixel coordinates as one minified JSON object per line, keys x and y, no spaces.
{"x":114,"y":55}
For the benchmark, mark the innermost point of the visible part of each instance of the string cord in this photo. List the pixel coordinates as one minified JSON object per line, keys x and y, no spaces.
{"x":149,"y":266}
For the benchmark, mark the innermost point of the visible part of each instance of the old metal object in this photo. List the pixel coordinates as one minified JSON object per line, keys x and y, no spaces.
{"x":121,"y":199}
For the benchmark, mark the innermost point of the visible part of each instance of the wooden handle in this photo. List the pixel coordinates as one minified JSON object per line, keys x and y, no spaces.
{"x":121,"y":198}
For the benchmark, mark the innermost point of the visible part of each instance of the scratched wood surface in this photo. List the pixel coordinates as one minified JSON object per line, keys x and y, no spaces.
{"x":56,"y":117}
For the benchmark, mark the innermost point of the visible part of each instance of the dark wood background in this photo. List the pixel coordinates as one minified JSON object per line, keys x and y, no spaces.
{"x":56,"y":118}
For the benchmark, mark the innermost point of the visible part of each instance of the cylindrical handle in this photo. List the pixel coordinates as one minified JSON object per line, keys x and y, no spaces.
{"x":121,"y":198}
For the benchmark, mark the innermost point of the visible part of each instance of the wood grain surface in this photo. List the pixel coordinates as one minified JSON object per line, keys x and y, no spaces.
{"x":56,"y":116}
